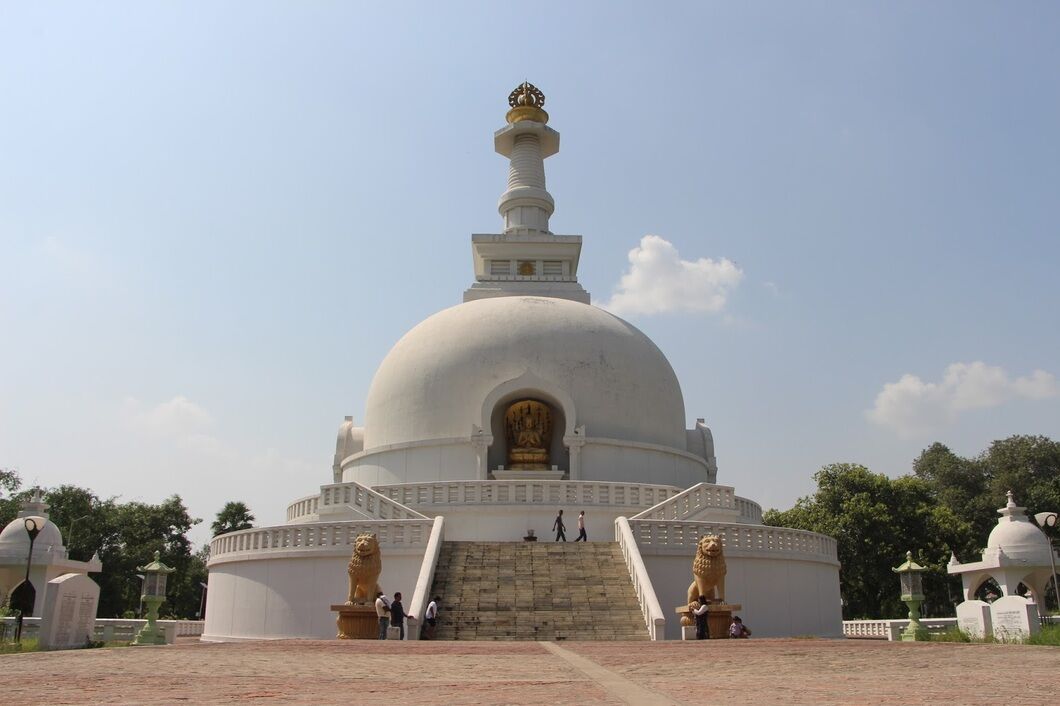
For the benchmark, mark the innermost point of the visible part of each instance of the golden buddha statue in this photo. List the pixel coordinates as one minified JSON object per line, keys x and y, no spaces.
{"x":528,"y":426}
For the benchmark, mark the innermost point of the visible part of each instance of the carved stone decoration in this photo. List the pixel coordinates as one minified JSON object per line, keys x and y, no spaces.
{"x":708,"y":571}
{"x":528,"y":427}
{"x":364,"y":569}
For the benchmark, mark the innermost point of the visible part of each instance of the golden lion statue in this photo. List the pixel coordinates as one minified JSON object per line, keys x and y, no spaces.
{"x":708,"y":570}
{"x":364,"y":569}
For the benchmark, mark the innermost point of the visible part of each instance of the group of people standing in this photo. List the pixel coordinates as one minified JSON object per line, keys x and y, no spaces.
{"x":561,"y":529}
{"x":392,"y":614}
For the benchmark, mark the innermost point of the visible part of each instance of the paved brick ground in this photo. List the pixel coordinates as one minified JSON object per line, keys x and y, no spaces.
{"x":392,"y":673}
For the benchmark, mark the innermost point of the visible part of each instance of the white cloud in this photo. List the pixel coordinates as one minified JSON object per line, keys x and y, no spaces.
{"x":913,"y":407}
{"x":179,"y":418}
{"x":659,"y":281}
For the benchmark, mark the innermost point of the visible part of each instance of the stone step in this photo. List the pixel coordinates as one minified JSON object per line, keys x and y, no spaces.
{"x":536,"y":591}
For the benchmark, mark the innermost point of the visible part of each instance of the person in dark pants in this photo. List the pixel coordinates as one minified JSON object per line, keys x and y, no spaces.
{"x":700,"y":613}
{"x":397,"y":614}
{"x":582,"y":537}
{"x":559,"y":527}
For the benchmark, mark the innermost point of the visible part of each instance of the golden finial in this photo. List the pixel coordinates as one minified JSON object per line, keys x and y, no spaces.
{"x":526,"y":103}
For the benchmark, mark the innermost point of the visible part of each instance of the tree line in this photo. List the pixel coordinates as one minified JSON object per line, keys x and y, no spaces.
{"x":947,"y":504}
{"x":126,"y":535}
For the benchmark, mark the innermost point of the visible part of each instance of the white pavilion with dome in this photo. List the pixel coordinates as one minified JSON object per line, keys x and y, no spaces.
{"x":491,"y":415}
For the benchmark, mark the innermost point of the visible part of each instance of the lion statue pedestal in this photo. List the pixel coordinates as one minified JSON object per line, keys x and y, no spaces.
{"x":357,"y":619}
{"x":708,"y":581}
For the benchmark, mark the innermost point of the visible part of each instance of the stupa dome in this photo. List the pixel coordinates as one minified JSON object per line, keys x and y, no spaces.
{"x":15,"y":538}
{"x":435,"y":380}
{"x":1016,"y":535}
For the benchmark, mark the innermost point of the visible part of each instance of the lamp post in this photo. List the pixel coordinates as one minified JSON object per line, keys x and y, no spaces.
{"x":154,"y":595}
{"x":27,"y":594}
{"x":1048,"y":519}
{"x":912,"y":595}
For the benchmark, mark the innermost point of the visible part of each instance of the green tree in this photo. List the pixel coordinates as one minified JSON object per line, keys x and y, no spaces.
{"x":9,"y":495}
{"x":232,"y":517}
{"x":875,"y":520}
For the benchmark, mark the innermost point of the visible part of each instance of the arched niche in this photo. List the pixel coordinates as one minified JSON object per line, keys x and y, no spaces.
{"x":531,"y":387}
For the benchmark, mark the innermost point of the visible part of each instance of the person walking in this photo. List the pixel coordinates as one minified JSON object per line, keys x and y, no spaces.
{"x":431,"y":616}
{"x":382,"y":611}
{"x":397,"y":614}
{"x":559,"y":527}
{"x":700,"y":613}
{"x":582,"y":537}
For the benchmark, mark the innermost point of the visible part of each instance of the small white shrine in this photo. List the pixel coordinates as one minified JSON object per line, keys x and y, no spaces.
{"x":50,"y":558}
{"x":1017,"y":552}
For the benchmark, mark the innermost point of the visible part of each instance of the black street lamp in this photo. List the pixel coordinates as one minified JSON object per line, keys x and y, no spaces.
{"x":26,"y":594}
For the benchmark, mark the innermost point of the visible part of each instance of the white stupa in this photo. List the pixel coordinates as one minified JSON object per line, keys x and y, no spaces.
{"x":487,"y":417}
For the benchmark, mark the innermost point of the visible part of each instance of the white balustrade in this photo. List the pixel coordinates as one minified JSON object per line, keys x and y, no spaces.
{"x":421,"y":596}
{"x":734,"y":537}
{"x":528,"y":492}
{"x":111,"y":629}
{"x":699,"y":498}
{"x":372,"y":503}
{"x":654,"y":618}
{"x":321,"y":536}
{"x":303,"y":509}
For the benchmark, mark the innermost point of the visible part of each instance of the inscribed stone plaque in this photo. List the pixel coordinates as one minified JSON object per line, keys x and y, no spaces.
{"x":973,"y":619}
{"x":1014,"y":618}
{"x":69,"y":615}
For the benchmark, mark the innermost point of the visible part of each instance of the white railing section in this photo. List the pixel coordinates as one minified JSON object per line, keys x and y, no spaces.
{"x":528,"y":492}
{"x":421,"y":596}
{"x":303,"y":508}
{"x":749,"y":510}
{"x":703,"y":497}
{"x":111,"y":629}
{"x":699,"y":497}
{"x":372,"y":503}
{"x":892,"y":629}
{"x":654,"y":618}
{"x":321,"y":536}
{"x":735,"y":537}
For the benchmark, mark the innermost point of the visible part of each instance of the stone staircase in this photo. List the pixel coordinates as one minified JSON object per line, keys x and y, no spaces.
{"x":535,"y":591}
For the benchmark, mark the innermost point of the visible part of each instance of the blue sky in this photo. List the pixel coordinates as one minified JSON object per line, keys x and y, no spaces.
{"x":216,"y":218}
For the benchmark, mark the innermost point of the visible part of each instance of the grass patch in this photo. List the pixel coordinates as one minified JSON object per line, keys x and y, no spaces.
{"x":1049,"y":635}
{"x":13,"y":648}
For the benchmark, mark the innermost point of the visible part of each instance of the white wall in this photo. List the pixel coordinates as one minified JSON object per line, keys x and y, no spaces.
{"x":781,"y":597}
{"x":414,"y":464}
{"x":640,"y":464}
{"x":509,"y":523}
{"x":287,"y":597}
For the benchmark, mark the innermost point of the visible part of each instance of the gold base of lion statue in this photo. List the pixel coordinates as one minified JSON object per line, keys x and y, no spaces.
{"x":708,"y":571}
{"x":364,"y":569}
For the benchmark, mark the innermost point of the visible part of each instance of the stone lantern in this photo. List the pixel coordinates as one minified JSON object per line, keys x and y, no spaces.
{"x":912,"y":595}
{"x":154,"y":595}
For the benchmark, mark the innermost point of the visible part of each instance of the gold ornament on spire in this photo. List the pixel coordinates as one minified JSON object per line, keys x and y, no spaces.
{"x":527,"y":103}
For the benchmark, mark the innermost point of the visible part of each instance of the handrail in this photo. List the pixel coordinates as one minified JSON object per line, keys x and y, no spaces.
{"x":372,"y":503}
{"x":701,"y":496}
{"x":654,"y":618}
{"x":735,"y":537}
{"x":317,"y":537}
{"x":425,"y":580}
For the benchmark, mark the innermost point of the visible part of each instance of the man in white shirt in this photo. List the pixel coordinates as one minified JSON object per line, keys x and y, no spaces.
{"x":700,"y":613}
{"x":431,"y":616}
{"x":382,"y":611}
{"x":582,"y":537}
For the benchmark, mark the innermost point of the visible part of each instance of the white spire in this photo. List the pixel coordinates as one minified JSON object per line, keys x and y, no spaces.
{"x":526,"y":258}
{"x":526,"y":205}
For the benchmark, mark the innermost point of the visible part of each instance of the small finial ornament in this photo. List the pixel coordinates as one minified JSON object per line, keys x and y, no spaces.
{"x":527,"y":103}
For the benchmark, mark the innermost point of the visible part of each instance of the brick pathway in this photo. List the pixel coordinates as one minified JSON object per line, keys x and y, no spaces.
{"x":393,"y":673}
